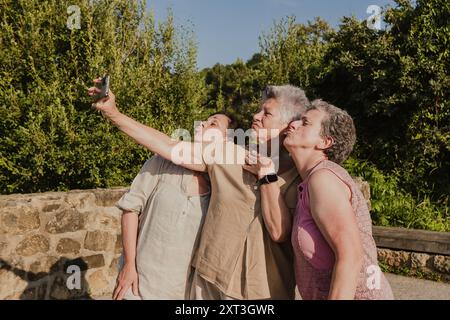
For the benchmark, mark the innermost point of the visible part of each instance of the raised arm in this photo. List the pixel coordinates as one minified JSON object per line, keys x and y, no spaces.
{"x":150,"y":138}
{"x":332,"y":211}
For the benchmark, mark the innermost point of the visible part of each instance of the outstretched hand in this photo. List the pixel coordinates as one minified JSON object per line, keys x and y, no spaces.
{"x":106,"y":105}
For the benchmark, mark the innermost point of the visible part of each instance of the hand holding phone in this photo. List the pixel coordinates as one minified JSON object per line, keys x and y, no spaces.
{"x":103,"y":85}
{"x":103,"y":98}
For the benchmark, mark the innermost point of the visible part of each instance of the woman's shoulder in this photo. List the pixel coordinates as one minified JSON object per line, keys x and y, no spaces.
{"x":159,"y":165}
{"x":336,"y":169}
{"x":329,"y":176}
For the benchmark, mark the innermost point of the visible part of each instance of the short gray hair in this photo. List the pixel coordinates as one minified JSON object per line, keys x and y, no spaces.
{"x":293,"y":101}
{"x":337,"y":124}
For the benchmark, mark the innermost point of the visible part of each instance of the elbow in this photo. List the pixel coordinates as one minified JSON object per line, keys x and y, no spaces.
{"x":279,"y":235}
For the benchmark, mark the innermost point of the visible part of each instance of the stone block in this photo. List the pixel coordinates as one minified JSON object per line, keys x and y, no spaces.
{"x":68,"y":246}
{"x":19,"y":220}
{"x":94,"y":261}
{"x":32,"y":245}
{"x":68,"y":220}
{"x":108,"y":198}
{"x":80,"y":198}
{"x":442,"y":264}
{"x":419,"y":260}
{"x":395,"y":258}
{"x":12,"y":285}
{"x":98,"y":240}
{"x":49,"y":207}
{"x":98,"y":283}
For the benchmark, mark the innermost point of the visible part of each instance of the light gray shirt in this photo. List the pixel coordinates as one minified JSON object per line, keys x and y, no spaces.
{"x":169,"y":227}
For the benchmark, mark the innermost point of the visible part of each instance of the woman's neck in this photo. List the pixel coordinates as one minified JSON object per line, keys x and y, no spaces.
{"x":305,"y":162}
{"x":282,"y":158}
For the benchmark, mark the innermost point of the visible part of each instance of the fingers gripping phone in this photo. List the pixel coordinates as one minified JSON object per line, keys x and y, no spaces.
{"x":104,"y":89}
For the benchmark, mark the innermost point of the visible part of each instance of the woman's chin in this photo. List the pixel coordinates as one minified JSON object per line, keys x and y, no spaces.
{"x":288,"y":143}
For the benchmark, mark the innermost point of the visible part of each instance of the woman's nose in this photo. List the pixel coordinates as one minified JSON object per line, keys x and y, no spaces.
{"x":257,"y":116}
{"x":294,"y":124}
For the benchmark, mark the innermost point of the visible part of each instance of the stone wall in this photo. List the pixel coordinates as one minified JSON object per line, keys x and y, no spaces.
{"x":42,"y":235}
{"x":424,"y":265}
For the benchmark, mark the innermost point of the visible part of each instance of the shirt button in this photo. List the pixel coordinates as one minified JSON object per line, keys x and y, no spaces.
{"x":255,"y":187}
{"x":252,"y":208}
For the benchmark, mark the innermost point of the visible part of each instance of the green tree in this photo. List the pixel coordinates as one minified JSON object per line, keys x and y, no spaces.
{"x":395,"y":83}
{"x":50,"y":137}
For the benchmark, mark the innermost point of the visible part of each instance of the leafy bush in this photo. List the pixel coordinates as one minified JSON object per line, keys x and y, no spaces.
{"x":50,"y":137}
{"x":392,"y":206}
{"x":394,"y":83}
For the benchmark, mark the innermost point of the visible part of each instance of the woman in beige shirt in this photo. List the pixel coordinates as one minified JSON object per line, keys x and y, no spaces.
{"x":162,"y":215}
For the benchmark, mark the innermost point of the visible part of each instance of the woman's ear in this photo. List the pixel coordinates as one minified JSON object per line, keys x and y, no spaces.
{"x":326,"y":142}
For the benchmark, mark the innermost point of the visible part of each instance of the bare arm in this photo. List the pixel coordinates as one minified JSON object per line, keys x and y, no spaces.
{"x":128,"y":275}
{"x":129,"y":236}
{"x":332,"y":211}
{"x":150,"y":138}
{"x":275,"y":212}
{"x":276,"y":215}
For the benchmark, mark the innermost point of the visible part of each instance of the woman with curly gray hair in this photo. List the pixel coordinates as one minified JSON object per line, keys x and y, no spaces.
{"x":335,"y":254}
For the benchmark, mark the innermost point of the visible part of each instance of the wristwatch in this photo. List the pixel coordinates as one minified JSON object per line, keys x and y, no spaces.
{"x":268,"y":179}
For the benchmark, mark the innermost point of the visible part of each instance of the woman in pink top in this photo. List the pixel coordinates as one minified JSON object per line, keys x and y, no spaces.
{"x":335,"y":254}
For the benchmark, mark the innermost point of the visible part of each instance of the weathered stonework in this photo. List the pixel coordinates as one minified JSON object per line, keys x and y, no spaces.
{"x":46,"y":238}
{"x":428,"y":265}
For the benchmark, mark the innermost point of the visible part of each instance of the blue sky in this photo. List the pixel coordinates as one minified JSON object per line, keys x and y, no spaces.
{"x":226,"y":30}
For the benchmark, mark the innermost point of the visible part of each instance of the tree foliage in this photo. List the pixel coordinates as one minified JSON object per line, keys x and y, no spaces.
{"x":50,"y":137}
{"x":394,"y":82}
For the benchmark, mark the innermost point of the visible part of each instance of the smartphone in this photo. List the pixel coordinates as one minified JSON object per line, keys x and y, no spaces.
{"x":104,"y":87}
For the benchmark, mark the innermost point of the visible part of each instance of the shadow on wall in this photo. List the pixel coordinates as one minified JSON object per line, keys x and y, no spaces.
{"x":65,"y":280}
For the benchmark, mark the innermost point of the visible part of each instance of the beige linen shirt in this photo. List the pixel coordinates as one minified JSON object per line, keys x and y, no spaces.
{"x":169,"y":223}
{"x":236,"y":252}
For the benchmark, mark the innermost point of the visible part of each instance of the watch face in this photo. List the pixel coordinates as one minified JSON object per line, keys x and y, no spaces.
{"x":272,"y":178}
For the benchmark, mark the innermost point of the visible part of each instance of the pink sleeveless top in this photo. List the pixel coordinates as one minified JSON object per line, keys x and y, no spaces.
{"x":314,"y":258}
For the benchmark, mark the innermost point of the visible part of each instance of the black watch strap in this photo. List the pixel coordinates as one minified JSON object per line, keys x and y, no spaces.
{"x":268,"y":179}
